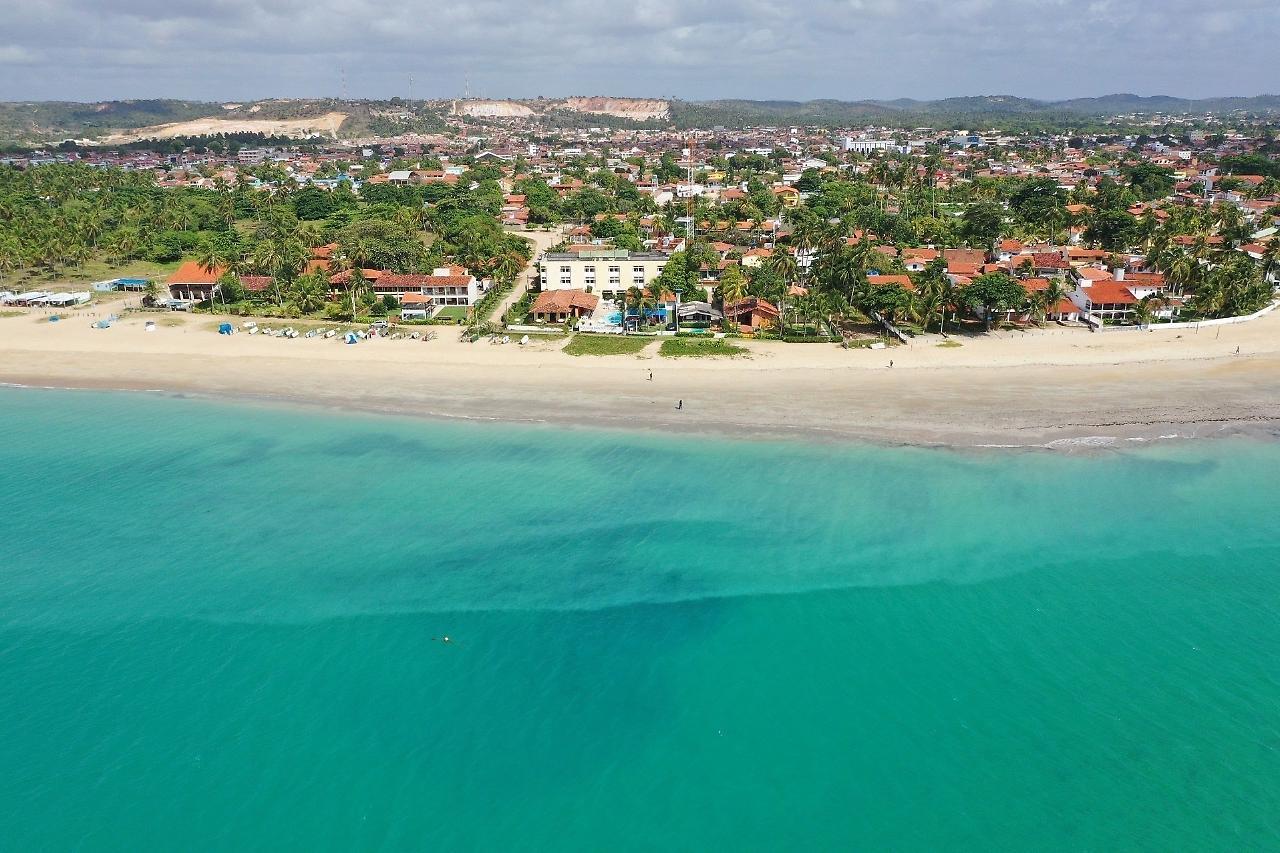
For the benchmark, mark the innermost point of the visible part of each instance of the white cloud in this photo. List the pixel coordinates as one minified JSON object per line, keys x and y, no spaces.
{"x":13,"y":54}
{"x":214,"y":49}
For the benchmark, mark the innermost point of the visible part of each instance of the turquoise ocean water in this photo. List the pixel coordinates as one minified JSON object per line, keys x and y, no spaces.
{"x":216,"y":629}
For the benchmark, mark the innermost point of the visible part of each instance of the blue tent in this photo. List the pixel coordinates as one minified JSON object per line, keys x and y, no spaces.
{"x":225,"y":329}
{"x":351,"y":338}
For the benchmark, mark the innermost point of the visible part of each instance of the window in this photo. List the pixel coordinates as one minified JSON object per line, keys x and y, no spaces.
{"x":638,"y":279}
{"x":565,"y":269}
{"x":591,"y":279}
{"x":564,"y":279}
{"x":589,"y":270}
{"x":614,"y":270}
{"x":637,"y":269}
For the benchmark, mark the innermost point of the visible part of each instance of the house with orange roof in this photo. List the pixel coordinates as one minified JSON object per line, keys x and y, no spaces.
{"x":445,"y":286}
{"x":751,"y":313}
{"x":193,"y":283}
{"x":416,"y":306}
{"x":559,"y":306}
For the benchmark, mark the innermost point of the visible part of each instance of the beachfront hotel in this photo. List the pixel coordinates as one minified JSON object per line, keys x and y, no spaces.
{"x":597,"y":269}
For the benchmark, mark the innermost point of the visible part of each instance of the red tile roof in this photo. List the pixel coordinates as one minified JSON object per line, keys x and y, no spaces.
{"x":563,"y":301}
{"x":1110,"y":293}
{"x":192,"y":273}
{"x":881,"y":280}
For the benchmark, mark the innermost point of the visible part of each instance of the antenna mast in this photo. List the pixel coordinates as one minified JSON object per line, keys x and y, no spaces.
{"x":689,"y":205}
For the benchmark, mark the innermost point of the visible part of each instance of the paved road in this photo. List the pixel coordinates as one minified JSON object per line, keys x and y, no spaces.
{"x":542,"y":241}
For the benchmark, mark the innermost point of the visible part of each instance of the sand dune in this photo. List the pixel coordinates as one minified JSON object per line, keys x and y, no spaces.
{"x":327,"y":124}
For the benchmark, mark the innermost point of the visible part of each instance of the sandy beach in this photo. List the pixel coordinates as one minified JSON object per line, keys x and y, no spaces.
{"x":1055,"y":387}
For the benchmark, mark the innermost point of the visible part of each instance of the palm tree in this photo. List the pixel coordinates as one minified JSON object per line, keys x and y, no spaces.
{"x":507,"y":265}
{"x":211,"y":258}
{"x":1143,"y":313}
{"x":733,"y":286}
{"x":926,"y":306}
{"x":1048,"y":298}
{"x":357,"y":287}
{"x":1183,"y":271}
{"x":1271,"y":258}
{"x":783,"y":264}
{"x":309,"y":293}
{"x":10,"y":256}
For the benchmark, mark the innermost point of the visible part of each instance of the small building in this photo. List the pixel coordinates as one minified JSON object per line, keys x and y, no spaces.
{"x":752,"y":313}
{"x":1107,"y":300}
{"x":193,"y":283}
{"x":559,"y":306}
{"x":416,"y":306}
{"x":63,"y":300}
{"x":699,"y":312}
{"x":1065,"y":311}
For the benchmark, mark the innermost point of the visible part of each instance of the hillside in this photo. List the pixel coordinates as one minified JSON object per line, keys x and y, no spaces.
{"x":38,"y":123}
{"x":1007,"y":110}
{"x":53,"y":121}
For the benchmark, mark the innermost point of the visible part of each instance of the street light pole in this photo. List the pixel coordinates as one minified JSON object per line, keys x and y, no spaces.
{"x":677,"y":317}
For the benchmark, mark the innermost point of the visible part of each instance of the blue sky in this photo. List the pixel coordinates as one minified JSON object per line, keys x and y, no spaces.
{"x":697,"y":49}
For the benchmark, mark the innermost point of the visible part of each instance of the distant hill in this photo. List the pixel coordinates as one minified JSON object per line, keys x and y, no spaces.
{"x":43,"y":122}
{"x":950,"y":112}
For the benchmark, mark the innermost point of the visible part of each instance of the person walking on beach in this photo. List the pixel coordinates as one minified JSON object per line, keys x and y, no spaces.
{"x":891,"y":363}
{"x":679,"y":405}
{"x":650,"y":375}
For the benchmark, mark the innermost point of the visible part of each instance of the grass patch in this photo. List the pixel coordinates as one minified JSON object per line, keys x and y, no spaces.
{"x":97,"y":269}
{"x":950,"y":344}
{"x":605,"y":345}
{"x":456,"y":313}
{"x":699,"y":347}
{"x":12,"y":313}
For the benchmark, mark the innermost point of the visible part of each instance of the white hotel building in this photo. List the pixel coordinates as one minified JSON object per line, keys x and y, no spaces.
{"x":608,"y":273}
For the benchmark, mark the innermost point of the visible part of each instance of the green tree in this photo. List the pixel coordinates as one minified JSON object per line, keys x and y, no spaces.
{"x":993,"y":293}
{"x":982,"y":224}
{"x":733,"y":284}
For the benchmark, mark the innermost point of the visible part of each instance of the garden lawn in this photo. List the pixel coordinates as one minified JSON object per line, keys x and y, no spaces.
{"x":681,"y":347}
{"x":605,"y":345}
